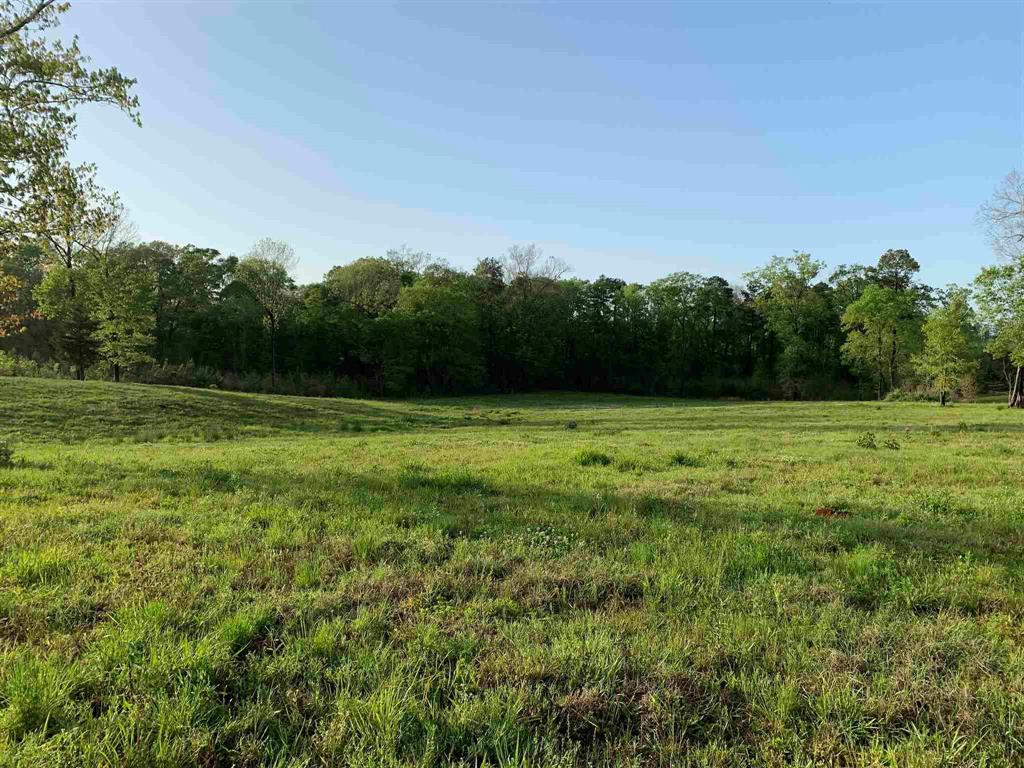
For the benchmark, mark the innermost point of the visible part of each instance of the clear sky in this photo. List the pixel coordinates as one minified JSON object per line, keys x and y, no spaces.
{"x":631,"y":139}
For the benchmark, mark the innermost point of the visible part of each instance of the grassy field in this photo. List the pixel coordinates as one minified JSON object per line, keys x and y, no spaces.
{"x":206,"y":578}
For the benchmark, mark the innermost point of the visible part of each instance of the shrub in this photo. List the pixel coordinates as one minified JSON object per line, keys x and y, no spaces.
{"x":571,"y":425}
{"x":912,"y":395}
{"x":6,"y":454}
{"x":592,"y":458}
{"x":867,"y":440}
{"x":16,"y":365}
{"x":968,"y":388}
{"x":892,"y":444}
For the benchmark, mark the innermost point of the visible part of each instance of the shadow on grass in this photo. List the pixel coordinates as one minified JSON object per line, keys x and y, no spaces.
{"x":462,"y":503}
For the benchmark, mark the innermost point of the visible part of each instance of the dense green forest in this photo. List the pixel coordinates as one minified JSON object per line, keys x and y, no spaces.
{"x":403,"y":324}
{"x":80,"y":296}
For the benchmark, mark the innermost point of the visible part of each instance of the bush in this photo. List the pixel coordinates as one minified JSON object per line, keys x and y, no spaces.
{"x":571,"y":425}
{"x":204,"y":377}
{"x":867,"y":440}
{"x":16,"y":365}
{"x":892,"y":444}
{"x":592,"y":458}
{"x":910,"y":395}
{"x":6,"y":454}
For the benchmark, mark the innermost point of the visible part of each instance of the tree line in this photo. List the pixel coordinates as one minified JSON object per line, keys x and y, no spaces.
{"x":81,"y":296}
{"x":405,"y":324}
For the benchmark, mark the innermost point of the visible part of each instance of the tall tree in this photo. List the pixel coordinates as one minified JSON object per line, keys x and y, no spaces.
{"x":948,"y":355}
{"x":121,"y":297}
{"x":189,"y":280}
{"x":674,"y":309}
{"x":431,"y":339}
{"x":64,"y":300}
{"x":537,"y":312}
{"x":10,"y":319}
{"x":999,"y":292}
{"x":371,"y":285}
{"x":489,"y":284}
{"x":1003,"y":217}
{"x":848,"y":282}
{"x":265,"y":273}
{"x":880,"y":326}
{"x":43,"y":81}
{"x":74,"y":220}
{"x":896,"y":271}
{"x":73,"y":217}
{"x":799,"y":313}
{"x":25,"y":266}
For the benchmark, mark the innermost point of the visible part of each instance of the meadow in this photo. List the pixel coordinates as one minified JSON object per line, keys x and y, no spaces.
{"x":196,"y":577}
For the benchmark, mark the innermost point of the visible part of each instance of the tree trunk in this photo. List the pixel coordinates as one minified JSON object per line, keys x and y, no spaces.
{"x":273,"y":357}
{"x":1016,"y":399}
{"x":880,"y":365}
{"x":942,"y":397}
{"x":117,"y":373}
{"x":893,"y":383}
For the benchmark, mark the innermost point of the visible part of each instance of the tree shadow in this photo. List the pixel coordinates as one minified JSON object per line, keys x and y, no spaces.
{"x":463,"y":503}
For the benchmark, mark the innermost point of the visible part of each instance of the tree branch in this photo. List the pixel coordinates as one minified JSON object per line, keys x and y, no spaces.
{"x":19,"y":24}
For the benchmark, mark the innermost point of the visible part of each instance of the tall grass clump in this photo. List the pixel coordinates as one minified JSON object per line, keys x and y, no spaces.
{"x":683,"y":459}
{"x":590,"y":457}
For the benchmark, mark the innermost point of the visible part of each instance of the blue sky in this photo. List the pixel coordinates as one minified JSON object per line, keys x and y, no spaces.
{"x":628,"y":139}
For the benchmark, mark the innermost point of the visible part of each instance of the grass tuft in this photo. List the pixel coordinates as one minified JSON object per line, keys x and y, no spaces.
{"x":589,"y":457}
{"x":684,"y":459}
{"x":6,"y":454}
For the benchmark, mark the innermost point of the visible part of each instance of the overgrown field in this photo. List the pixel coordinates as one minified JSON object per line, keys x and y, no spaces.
{"x":205,"y":578}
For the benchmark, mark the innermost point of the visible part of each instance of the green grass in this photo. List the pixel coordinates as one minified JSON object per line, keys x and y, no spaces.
{"x":207,"y":578}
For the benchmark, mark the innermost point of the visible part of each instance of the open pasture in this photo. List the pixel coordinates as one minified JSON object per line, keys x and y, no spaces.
{"x":194,"y":577}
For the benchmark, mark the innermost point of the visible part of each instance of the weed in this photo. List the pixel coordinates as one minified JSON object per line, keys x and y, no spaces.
{"x":547,"y":541}
{"x":6,"y":454}
{"x":867,"y":440}
{"x":937,"y":503}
